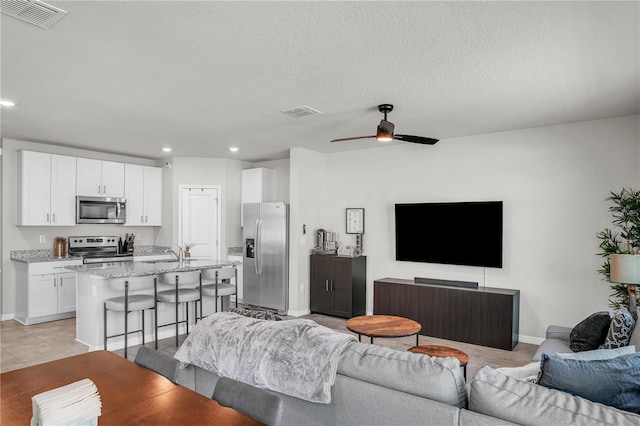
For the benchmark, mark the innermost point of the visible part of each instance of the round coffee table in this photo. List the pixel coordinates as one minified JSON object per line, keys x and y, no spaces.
{"x":383,"y":326}
{"x":443,"y":351}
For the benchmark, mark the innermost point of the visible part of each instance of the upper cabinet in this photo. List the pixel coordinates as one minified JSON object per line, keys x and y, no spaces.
{"x":257,"y":187}
{"x":96,"y":178}
{"x":143,"y":191}
{"x":45,"y":197}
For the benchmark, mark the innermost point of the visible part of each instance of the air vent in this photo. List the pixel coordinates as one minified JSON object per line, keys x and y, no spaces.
{"x":32,"y":11}
{"x":303,"y":111}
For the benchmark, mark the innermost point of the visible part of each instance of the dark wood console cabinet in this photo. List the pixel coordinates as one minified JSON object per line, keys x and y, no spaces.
{"x":338,"y":285}
{"x":483,"y":316}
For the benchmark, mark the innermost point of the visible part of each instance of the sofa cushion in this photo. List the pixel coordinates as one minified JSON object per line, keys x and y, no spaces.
{"x":528,"y":373}
{"x":614,"y":382}
{"x":599,"y":353}
{"x":620,"y":329}
{"x":497,"y":395}
{"x":590,"y":333}
{"x":552,"y":346}
{"x":435,"y":378}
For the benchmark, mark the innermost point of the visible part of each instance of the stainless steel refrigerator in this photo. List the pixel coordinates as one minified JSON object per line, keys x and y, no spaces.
{"x":266,"y":255}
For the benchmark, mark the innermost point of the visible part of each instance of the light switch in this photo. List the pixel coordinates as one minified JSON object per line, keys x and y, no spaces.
{"x":43,"y":239}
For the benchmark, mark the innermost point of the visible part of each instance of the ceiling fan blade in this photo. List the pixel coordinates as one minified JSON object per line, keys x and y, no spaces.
{"x":353,"y":138}
{"x":416,"y":139}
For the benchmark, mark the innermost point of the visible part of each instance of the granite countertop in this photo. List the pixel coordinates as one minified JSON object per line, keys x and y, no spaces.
{"x":38,"y":256}
{"x":149,"y":250}
{"x":46,"y":255}
{"x":140,"y":269}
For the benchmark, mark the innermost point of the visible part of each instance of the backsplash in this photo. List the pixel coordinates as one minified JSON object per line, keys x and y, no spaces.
{"x":234,"y":251}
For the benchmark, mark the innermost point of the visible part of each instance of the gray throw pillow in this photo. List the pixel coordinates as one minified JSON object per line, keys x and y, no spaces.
{"x":614,"y":382}
{"x":620,"y":330}
{"x":255,"y":313}
{"x":590,"y":333}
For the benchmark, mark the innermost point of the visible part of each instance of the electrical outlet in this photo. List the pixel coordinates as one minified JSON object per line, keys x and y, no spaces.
{"x":43,"y":239}
{"x":301,"y":288}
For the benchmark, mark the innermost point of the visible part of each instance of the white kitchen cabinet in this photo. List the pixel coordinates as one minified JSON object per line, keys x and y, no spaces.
{"x":257,"y":187}
{"x":97,"y":178}
{"x":45,"y":195}
{"x":45,"y":291}
{"x":143,"y":191}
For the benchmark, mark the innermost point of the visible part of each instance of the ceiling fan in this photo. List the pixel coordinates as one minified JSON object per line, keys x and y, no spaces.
{"x":385,"y":131}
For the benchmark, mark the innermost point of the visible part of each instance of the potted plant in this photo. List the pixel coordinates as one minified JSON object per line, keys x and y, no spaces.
{"x":185,"y":249}
{"x":624,"y":238}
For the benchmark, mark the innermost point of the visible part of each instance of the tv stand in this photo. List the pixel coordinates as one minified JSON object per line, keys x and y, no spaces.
{"x":483,"y":316}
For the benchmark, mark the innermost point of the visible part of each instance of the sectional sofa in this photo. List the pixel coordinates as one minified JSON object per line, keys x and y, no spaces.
{"x":381,"y":386}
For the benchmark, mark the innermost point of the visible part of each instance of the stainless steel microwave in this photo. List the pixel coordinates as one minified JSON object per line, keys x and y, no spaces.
{"x":100,"y":210}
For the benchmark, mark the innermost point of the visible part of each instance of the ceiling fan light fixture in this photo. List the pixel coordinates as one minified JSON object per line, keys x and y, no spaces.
{"x":385,"y":131}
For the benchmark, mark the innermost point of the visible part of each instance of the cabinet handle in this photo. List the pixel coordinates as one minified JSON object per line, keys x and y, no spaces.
{"x":326,"y":285}
{"x":141,"y":219}
{"x":146,"y":219}
{"x":99,"y":189}
{"x":104,"y":189}
{"x":331,"y":286}
{"x":54,"y":218}
{"x":48,"y":218}
{"x":54,"y":282}
{"x":60,"y":281}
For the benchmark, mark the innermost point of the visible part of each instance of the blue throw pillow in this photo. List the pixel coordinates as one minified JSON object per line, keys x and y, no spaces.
{"x":614,"y":382}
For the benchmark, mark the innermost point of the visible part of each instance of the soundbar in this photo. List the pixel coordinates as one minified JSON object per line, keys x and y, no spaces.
{"x":446,"y":283}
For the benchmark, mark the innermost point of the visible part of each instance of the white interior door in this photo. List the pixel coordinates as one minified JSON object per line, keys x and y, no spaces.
{"x":199,"y":220}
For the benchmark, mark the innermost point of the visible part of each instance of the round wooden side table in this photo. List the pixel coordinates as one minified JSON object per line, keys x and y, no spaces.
{"x":443,"y":351}
{"x":383,"y":326}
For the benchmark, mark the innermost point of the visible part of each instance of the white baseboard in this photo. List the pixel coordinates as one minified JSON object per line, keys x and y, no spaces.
{"x":530,"y":339}
{"x":7,"y":317}
{"x":298,"y":313}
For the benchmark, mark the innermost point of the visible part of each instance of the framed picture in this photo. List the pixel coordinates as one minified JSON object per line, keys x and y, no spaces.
{"x":355,"y":221}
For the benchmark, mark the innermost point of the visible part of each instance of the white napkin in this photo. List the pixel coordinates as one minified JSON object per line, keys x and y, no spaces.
{"x":77,"y":403}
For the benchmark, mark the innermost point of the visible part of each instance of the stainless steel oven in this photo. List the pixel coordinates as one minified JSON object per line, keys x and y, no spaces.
{"x":100,"y":210}
{"x":98,"y":249}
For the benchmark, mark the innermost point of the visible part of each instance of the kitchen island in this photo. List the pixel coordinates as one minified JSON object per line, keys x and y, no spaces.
{"x":93,"y":289}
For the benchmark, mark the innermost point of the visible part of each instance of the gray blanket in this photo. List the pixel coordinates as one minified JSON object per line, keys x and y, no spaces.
{"x":295,"y":357}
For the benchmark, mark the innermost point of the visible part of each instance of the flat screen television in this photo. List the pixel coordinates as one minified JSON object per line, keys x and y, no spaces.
{"x":461,"y":233}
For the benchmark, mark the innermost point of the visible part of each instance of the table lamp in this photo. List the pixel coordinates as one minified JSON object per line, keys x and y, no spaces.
{"x":625,"y":269}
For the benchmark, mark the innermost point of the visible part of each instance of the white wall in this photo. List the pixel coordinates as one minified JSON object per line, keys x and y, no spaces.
{"x":307,"y":208}
{"x":28,"y":237}
{"x":553,"y":181}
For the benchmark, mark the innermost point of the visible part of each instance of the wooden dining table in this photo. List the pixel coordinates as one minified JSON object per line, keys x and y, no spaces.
{"x":130,"y":394}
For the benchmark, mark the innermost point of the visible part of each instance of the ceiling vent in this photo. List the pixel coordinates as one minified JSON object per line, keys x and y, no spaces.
{"x":33,"y":11}
{"x":303,"y":111}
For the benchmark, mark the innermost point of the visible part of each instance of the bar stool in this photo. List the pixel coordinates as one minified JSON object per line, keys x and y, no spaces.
{"x":212,"y":285}
{"x":188,"y":288}
{"x":130,"y":302}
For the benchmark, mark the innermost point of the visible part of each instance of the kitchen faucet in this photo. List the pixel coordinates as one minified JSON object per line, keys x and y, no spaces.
{"x":179,"y":256}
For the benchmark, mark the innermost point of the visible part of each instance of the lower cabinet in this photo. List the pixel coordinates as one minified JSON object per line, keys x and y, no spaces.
{"x":483,"y":316}
{"x":45,"y":291}
{"x":338,"y":285}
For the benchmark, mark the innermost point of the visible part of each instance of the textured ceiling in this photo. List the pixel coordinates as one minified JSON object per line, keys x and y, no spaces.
{"x":129,"y":77}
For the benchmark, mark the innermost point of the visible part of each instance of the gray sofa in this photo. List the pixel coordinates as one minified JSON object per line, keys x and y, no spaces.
{"x":557,"y":341}
{"x":381,"y":386}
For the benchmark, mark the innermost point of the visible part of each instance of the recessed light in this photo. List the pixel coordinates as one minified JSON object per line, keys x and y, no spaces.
{"x":167,"y":149}
{"x":7,"y":103}
{"x":234,"y":149}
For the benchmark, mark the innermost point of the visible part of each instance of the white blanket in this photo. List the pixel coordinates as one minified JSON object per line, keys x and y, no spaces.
{"x":295,"y":357}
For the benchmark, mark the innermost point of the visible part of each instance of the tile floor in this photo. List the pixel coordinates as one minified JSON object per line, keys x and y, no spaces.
{"x":22,"y":346}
